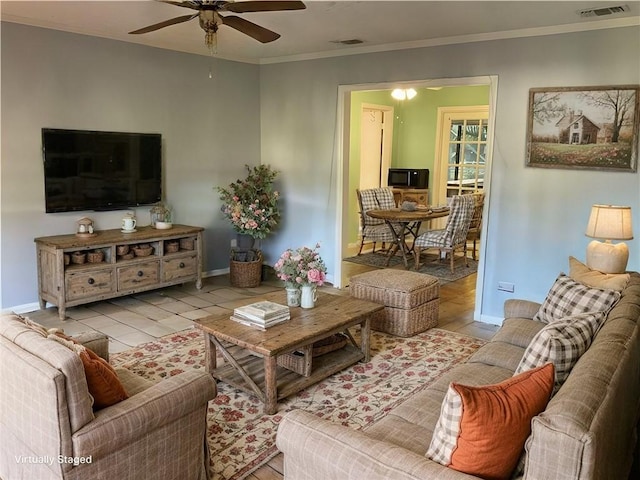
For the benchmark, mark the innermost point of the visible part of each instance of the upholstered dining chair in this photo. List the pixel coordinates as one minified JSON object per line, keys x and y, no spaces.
{"x":453,"y":236}
{"x":374,"y":229}
{"x":473,"y":235}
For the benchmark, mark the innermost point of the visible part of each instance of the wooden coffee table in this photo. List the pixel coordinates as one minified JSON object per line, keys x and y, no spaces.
{"x":251,"y":354}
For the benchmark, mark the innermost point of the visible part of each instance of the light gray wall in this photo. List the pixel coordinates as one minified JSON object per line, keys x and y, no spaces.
{"x":285,"y":115}
{"x":210,"y":130}
{"x":537,"y":217}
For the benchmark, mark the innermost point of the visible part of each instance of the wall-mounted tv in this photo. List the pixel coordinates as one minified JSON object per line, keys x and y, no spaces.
{"x":89,"y":170}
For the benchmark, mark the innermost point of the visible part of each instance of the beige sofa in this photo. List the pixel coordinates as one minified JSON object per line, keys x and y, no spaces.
{"x":49,"y":430}
{"x":587,"y":431}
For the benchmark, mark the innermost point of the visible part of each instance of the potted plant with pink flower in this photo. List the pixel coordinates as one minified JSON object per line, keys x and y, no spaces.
{"x":301,"y":270}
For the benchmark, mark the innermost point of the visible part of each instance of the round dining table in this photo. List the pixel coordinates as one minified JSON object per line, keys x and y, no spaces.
{"x":405,"y":222}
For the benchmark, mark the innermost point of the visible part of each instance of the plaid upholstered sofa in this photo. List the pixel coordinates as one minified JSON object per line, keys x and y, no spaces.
{"x":587,"y":430}
{"x":49,"y":430}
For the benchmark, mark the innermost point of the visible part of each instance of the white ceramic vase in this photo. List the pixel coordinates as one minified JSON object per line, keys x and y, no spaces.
{"x":293,"y":296}
{"x":308,"y":296}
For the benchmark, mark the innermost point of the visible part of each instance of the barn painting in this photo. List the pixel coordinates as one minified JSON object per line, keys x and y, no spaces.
{"x":580,"y":127}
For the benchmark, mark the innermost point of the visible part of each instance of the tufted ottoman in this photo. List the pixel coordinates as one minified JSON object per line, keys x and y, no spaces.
{"x":411,"y":300}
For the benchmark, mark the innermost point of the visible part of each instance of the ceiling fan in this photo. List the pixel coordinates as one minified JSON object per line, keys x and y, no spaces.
{"x":210,"y":18}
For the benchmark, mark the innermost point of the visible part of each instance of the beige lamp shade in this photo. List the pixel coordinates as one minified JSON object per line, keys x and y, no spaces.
{"x":609,"y":222}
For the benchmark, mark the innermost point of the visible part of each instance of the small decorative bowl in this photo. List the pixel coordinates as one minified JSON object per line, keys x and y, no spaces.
{"x":408,"y":206}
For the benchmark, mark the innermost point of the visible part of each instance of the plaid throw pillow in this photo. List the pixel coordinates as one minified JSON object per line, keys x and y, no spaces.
{"x":562,"y":343}
{"x":445,"y":435}
{"x":568,"y":297}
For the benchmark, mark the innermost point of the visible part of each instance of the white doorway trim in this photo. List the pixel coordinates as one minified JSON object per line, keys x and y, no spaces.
{"x":342,"y":171}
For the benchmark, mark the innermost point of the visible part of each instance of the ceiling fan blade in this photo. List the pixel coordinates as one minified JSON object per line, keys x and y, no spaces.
{"x":263,"y":6}
{"x":187,"y":4}
{"x":166,"y":23}
{"x":249,"y":28}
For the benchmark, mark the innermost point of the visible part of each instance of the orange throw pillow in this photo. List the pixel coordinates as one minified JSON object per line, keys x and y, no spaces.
{"x":103,"y":382}
{"x":482,"y":430}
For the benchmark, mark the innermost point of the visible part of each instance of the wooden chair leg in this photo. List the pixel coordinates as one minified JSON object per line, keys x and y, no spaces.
{"x":361,"y":245}
{"x":416,"y":256}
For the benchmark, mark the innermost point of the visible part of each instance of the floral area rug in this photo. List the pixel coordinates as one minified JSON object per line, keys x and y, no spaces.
{"x":242,"y":438}
{"x":430,"y":264}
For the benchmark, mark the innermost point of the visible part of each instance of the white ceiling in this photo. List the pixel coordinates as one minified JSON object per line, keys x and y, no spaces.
{"x":312,"y":33}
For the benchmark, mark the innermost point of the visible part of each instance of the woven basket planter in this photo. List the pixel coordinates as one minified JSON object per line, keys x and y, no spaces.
{"x":246,"y":274}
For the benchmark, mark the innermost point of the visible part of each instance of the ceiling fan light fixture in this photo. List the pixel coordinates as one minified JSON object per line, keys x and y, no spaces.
{"x":404,"y":93}
{"x":209,"y":21}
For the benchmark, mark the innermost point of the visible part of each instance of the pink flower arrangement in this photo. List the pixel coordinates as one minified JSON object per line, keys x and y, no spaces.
{"x":302,"y":266}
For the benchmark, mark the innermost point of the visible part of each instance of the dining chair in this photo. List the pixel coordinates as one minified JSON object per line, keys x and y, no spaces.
{"x":453,"y":236}
{"x":473,"y":235}
{"x":375,"y":229}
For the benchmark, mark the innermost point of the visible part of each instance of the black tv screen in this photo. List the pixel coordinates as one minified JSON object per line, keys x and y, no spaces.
{"x":89,"y":170}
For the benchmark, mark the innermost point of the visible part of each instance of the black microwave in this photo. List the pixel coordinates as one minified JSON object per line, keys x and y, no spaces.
{"x":408,"y":177}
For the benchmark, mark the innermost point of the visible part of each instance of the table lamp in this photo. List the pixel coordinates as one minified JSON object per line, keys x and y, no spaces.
{"x":609,"y":222}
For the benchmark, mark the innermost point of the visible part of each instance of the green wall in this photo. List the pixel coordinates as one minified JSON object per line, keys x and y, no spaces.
{"x":414,"y":131}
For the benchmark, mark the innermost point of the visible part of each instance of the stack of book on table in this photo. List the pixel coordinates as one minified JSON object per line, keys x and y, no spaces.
{"x":262,"y":314}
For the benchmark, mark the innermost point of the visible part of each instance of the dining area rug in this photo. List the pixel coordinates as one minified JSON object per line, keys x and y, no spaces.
{"x":242,"y":438}
{"x":430,"y":263}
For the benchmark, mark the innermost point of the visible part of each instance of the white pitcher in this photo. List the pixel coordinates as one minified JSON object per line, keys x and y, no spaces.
{"x":308,"y":296}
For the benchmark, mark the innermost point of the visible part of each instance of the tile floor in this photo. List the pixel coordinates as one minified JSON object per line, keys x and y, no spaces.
{"x":141,"y":318}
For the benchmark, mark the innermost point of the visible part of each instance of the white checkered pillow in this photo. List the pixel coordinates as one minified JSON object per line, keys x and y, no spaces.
{"x":447,"y":431}
{"x":568,"y":297}
{"x":562,"y":343}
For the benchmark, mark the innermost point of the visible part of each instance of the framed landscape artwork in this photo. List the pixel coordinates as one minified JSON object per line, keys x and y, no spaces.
{"x":584,"y":127}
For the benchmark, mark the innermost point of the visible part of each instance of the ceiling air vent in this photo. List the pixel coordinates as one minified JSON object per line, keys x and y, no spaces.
{"x":599,"y":12}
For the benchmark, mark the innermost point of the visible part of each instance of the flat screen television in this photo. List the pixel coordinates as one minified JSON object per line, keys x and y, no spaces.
{"x":89,"y":170}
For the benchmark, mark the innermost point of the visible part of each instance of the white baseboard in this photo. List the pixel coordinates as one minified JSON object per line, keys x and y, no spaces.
{"x":491,"y":320}
{"x":215,"y":273}
{"x":27,"y":307}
